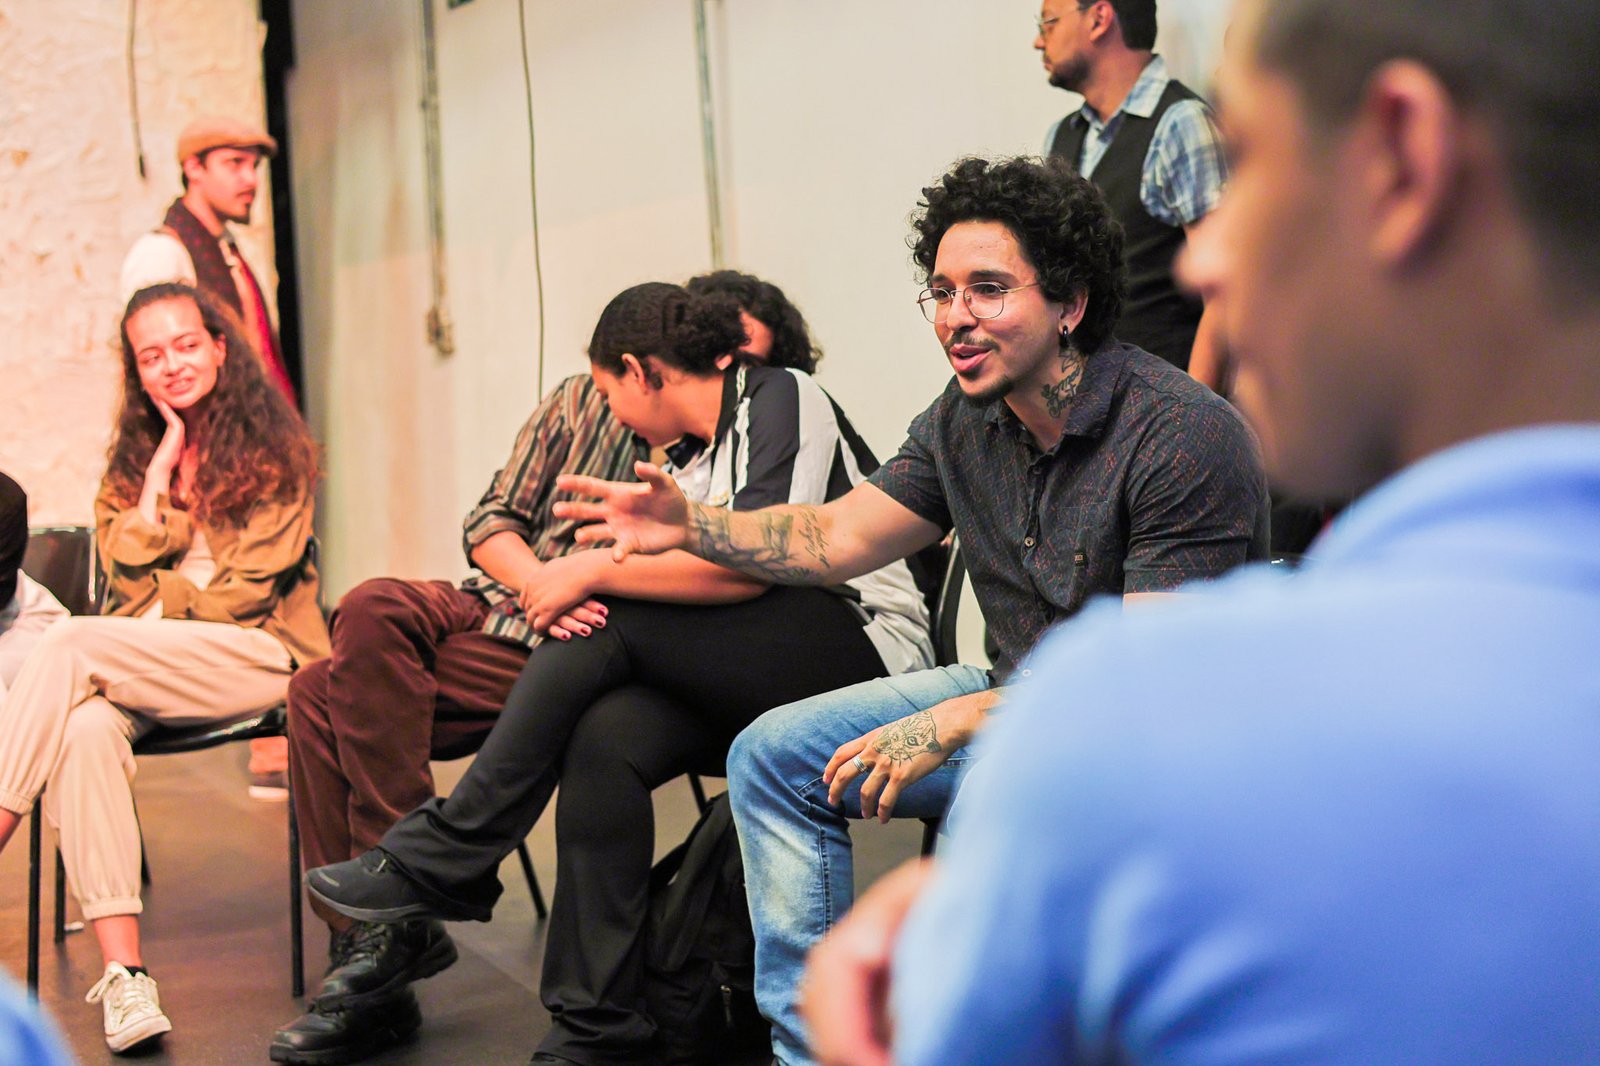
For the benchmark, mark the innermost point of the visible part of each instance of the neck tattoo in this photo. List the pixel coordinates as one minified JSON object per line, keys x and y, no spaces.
{"x":1057,"y":396}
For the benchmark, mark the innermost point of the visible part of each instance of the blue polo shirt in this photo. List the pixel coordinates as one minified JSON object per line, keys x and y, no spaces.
{"x":1349,"y":815}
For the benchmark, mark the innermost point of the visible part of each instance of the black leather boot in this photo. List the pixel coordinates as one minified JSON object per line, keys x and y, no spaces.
{"x":328,"y":1036}
{"x":380,"y":959}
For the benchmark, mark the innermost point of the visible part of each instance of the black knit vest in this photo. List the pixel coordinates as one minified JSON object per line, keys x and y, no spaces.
{"x":1156,"y":315}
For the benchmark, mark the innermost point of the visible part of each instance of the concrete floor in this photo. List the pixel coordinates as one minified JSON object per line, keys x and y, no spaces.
{"x":216,"y":927}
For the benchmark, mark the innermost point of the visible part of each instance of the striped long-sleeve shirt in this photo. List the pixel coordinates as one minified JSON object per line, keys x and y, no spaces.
{"x":570,"y":432}
{"x":782,"y":440}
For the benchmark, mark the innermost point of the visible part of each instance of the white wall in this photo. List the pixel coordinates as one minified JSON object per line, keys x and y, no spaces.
{"x":831,"y":116}
{"x":72,"y":201}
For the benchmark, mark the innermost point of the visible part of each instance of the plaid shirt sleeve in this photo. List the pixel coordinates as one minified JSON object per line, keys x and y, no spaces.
{"x":1185,"y":170}
{"x":539,"y":454}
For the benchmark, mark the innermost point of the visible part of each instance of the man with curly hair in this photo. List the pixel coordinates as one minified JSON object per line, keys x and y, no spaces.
{"x":1070,"y":465}
{"x":1156,"y":863}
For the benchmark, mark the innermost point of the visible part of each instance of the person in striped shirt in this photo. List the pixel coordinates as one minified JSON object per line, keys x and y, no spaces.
{"x":688,"y":654}
{"x":424,"y":666}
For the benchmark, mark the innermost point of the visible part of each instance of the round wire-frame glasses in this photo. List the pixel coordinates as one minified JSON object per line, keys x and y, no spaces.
{"x":985,"y":299}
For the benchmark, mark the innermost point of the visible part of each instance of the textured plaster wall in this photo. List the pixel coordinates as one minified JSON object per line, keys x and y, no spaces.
{"x":831,"y":115}
{"x":72,"y":201}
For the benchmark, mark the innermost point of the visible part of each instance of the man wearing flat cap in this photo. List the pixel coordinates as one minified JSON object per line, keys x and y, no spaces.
{"x":219,"y":157}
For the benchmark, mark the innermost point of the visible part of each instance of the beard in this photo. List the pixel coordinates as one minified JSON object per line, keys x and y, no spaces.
{"x":1071,"y":75}
{"x":997,"y":391}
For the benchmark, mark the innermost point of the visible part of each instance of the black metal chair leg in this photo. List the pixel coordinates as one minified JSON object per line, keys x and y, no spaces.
{"x":144,"y":855}
{"x":930,"y":834}
{"x":60,"y":934}
{"x":533,"y":882}
{"x":297,"y":941}
{"x":34,"y":843}
{"x":699,"y":793}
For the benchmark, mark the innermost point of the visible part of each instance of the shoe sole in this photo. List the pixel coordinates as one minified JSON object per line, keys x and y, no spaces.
{"x":141,"y":1035}
{"x":379,"y":1040}
{"x":268,"y":793}
{"x":404,"y":912}
{"x":441,"y":956}
{"x":381,"y":914}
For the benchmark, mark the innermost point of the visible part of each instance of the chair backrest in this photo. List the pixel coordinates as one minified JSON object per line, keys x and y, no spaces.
{"x":945,"y":652}
{"x":61,"y":558}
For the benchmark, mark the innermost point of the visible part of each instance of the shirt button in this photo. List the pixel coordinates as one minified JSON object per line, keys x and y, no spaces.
{"x":1027,"y":542}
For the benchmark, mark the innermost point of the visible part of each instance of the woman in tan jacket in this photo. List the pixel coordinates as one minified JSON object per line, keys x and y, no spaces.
{"x":202,"y":523}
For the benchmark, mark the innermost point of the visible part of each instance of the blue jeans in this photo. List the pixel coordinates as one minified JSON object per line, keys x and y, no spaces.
{"x":796,"y":847}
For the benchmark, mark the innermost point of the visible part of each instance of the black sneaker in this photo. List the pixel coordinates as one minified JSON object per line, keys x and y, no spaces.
{"x":372,"y":888}
{"x":327,"y":1036}
{"x":383,"y":958}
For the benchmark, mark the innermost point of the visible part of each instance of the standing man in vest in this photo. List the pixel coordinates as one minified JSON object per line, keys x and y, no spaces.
{"x":219,"y":157}
{"x":1152,"y":147}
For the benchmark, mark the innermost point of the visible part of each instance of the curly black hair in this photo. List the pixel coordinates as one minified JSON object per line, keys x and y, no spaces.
{"x":670,"y":323}
{"x":1060,"y":219}
{"x":792,"y":345}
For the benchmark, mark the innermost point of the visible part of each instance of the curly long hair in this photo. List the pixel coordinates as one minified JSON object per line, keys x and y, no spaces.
{"x":253,"y":445}
{"x":792,"y":345}
{"x":1060,"y":219}
{"x":666,"y":321}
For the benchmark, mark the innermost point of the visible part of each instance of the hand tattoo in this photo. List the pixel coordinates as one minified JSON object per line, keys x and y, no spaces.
{"x":1058,"y":395}
{"x":909,"y":737}
{"x":713,"y":529}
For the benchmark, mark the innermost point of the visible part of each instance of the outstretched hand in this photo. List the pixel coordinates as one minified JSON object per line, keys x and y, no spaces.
{"x":647,"y":517}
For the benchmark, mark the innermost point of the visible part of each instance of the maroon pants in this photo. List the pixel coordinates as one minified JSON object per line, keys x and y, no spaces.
{"x":412,"y":674}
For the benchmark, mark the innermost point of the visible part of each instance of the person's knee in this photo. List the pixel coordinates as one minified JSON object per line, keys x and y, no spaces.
{"x":595,"y":754}
{"x":307,"y":697}
{"x":62,"y":637}
{"x":751,"y":755}
{"x":94,"y":737}
{"x":374,"y":603}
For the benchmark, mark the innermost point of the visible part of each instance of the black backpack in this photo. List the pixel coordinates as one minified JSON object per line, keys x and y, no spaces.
{"x":699,"y":948}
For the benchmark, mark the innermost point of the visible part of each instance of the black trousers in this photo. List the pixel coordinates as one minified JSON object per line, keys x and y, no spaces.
{"x":610,"y":717}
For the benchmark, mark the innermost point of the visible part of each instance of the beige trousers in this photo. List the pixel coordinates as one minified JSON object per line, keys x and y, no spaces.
{"x":92,"y":687}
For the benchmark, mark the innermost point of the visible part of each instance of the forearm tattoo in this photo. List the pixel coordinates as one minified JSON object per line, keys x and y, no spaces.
{"x":909,"y":737}
{"x":1058,"y":395}
{"x":763,"y":544}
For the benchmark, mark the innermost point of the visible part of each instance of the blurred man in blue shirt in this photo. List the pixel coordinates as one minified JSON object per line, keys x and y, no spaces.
{"x":1154,"y":861}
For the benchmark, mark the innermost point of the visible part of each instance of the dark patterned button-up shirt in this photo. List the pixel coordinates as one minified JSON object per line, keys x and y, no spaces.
{"x":570,"y":432}
{"x":1155,"y":481}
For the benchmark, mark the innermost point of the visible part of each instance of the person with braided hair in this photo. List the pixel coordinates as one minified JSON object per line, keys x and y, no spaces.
{"x":686,"y":654}
{"x":1071,"y":465}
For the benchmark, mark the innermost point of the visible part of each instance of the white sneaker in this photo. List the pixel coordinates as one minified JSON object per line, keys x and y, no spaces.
{"x":132,"y":1007}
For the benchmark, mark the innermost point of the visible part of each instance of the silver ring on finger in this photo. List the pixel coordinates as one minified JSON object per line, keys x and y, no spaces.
{"x":861,"y":767}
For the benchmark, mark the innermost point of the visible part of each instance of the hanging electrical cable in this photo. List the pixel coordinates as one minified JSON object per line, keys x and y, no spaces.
{"x":533,"y":183}
{"x":439,"y":325}
{"x":708,"y":135}
{"x":133,"y":87}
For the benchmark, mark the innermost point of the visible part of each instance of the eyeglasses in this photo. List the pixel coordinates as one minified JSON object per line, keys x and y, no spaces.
{"x":985,"y":299}
{"x":1046,"y":23}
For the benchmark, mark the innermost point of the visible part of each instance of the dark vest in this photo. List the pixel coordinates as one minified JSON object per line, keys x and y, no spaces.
{"x":211,"y":271}
{"x":1156,"y":315}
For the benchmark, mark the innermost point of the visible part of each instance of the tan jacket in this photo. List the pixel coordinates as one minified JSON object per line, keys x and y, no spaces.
{"x":265,"y":575}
